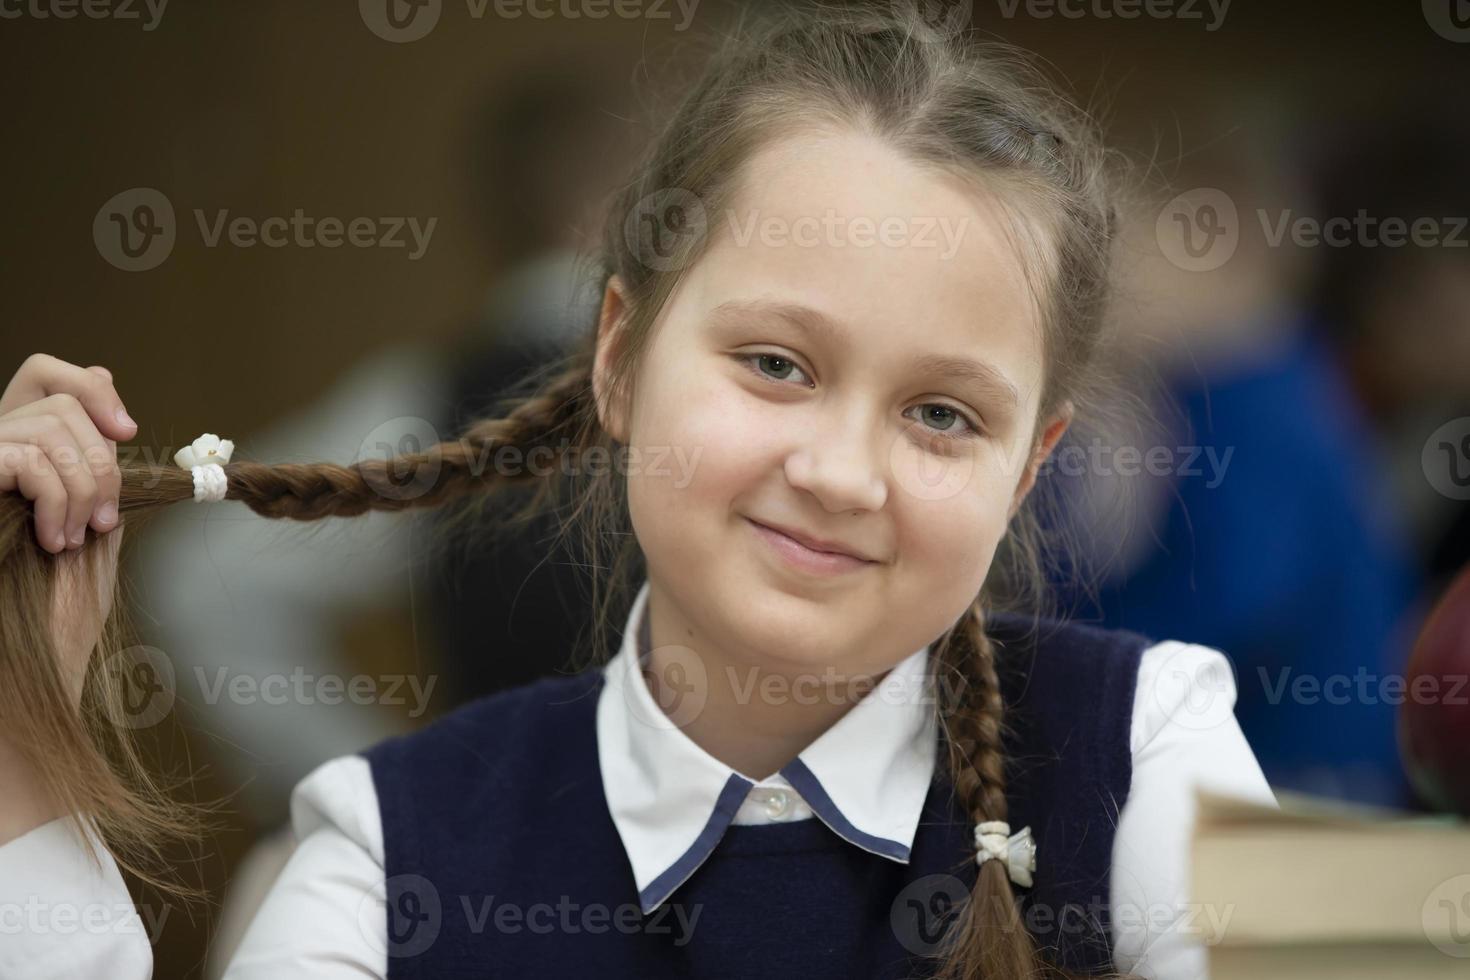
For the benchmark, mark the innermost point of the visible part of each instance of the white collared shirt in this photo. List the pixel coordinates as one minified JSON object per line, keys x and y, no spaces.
{"x":866,"y":778}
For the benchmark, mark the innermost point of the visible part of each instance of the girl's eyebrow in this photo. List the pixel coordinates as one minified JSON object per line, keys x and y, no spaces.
{"x":813,"y":322}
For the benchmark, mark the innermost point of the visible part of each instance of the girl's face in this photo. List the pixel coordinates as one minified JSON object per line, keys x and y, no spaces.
{"x":856,"y":359}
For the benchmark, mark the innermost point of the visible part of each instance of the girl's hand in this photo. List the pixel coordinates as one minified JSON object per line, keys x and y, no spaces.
{"x":59,"y":427}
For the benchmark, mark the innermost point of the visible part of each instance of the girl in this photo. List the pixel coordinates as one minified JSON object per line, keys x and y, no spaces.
{"x":852,"y":299}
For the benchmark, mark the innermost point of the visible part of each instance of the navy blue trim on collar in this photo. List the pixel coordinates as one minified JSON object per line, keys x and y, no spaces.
{"x":737,"y":787}
{"x":805,"y":782}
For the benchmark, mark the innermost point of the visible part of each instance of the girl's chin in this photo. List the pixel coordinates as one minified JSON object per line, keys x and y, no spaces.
{"x":798,"y":638}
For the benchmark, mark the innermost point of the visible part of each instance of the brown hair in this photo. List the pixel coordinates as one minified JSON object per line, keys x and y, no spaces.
{"x":978,"y":110}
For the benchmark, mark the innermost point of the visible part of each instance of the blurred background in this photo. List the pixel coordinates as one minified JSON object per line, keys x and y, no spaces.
{"x":323,"y":229}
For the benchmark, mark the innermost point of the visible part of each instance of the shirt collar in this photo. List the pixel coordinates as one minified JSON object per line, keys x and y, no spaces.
{"x":866,"y":777}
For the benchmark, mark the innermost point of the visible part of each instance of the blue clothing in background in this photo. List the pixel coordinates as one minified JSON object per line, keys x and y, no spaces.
{"x":1295,"y":563}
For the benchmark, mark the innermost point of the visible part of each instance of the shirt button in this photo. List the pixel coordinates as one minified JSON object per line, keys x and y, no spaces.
{"x":778,"y":803}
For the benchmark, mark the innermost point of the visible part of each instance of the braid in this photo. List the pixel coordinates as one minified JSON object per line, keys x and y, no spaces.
{"x":988,"y":939}
{"x":977,"y":753}
{"x":557,"y":413}
{"x":974,"y":723}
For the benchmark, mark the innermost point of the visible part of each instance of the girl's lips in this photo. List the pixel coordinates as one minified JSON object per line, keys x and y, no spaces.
{"x":800,"y":556}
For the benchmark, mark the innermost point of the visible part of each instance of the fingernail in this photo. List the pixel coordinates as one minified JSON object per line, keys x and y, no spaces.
{"x":59,"y":542}
{"x":80,"y":536}
{"x":107,"y":513}
{"x":125,"y":418}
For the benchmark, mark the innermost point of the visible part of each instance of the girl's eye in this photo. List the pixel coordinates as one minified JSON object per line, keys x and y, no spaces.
{"x":773,"y":367}
{"x":940,"y":420}
{"x":946,"y":422}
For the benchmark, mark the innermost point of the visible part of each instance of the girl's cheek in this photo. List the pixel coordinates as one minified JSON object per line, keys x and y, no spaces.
{"x":700,"y":451}
{"x":967,"y":483}
{"x":718,"y":439}
{"x":953,"y":514}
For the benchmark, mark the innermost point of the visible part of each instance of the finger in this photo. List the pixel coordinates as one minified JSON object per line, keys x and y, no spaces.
{"x":97,"y":453}
{"x":43,"y":375}
{"x":99,"y":369}
{"x":25,"y":468}
{"x":109,"y":493}
{"x":54,"y":437}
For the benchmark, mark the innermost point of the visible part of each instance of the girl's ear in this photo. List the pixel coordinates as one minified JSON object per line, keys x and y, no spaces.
{"x":611,"y":412}
{"x":1053,"y":432}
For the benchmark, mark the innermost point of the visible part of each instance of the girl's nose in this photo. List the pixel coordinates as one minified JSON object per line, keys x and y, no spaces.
{"x":841,"y":467}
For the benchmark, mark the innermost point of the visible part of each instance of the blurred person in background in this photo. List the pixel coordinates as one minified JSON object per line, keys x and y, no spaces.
{"x":1401,"y":312}
{"x":536,"y":178}
{"x":1275,"y":461}
{"x":227,"y":598}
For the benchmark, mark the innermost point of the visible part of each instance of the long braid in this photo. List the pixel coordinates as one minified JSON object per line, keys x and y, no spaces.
{"x":977,"y":752}
{"x":558,"y":413}
{"x":974,"y":723}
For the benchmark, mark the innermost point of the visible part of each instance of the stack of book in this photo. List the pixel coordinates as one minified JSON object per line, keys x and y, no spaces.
{"x":1321,"y":889}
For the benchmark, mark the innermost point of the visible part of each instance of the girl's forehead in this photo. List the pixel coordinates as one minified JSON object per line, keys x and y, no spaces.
{"x":899,"y":251}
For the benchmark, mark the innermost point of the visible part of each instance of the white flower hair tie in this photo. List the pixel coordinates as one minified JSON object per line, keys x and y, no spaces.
{"x":1017,"y":850}
{"x":204,"y":457}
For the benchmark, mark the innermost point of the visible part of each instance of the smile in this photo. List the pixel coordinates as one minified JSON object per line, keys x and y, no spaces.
{"x":799,"y":556}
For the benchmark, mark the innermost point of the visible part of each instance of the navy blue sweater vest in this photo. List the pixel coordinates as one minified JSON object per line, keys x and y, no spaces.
{"x":502,"y":859}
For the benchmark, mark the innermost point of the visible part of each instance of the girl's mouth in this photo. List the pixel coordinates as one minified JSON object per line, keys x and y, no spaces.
{"x":799,"y":556}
